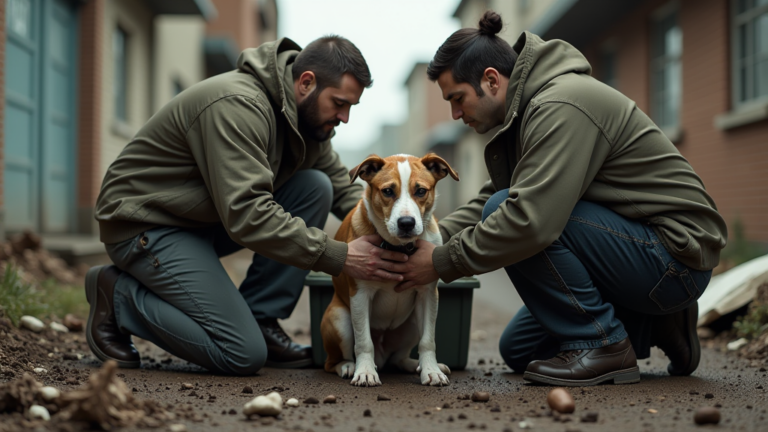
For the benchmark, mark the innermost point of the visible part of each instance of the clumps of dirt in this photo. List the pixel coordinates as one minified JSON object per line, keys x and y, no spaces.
{"x":25,"y":252}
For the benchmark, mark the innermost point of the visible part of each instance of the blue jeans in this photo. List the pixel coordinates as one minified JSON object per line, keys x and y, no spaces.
{"x":600,"y":282}
{"x":175,"y":292}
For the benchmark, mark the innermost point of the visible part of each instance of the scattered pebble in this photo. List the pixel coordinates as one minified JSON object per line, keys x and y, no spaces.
{"x":709,"y":396}
{"x":560,"y":400}
{"x":707,"y":415}
{"x":49,"y":393}
{"x":59,"y":327}
{"x":292,"y":402}
{"x":481,"y":396}
{"x":40,"y":371}
{"x":382,"y":397}
{"x":478,"y":335}
{"x":37,"y":412}
{"x":330,"y":399}
{"x":367,"y":413}
{"x":311,"y":401}
{"x":32,"y":323}
{"x":248,"y":390}
{"x":269,"y":405}
{"x":525,"y":424}
{"x":589,"y":417}
{"x":652,"y":411}
{"x":187,"y":386}
{"x":178,"y":427}
{"x":73,"y":323}
{"x":738,"y":343}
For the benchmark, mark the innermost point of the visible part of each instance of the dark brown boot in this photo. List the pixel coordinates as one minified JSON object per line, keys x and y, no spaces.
{"x":282,"y":352}
{"x":675,"y":334}
{"x":587,"y":367}
{"x":107,"y":341}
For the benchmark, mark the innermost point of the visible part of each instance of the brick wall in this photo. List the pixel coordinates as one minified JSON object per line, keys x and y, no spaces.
{"x":237,"y":19}
{"x":2,"y":117}
{"x":89,"y":108}
{"x":733,"y":164}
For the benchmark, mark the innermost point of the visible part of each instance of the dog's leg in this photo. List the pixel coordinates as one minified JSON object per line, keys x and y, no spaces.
{"x":432,"y":373}
{"x":365,"y":367}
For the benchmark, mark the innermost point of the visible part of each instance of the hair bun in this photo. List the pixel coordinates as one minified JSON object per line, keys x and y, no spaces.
{"x":490,"y":23}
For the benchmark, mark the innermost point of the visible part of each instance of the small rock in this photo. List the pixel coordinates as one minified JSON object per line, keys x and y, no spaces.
{"x":367,"y":413}
{"x":478,"y":335}
{"x":589,"y":417}
{"x":311,"y":401}
{"x":330,"y":399}
{"x":707,"y":415}
{"x":292,"y":402}
{"x":382,"y":397}
{"x":178,"y":427}
{"x":37,"y":412}
{"x":693,"y":392}
{"x":231,"y":411}
{"x":187,"y":386}
{"x":70,"y":356}
{"x":462,"y":416}
{"x":73,"y":323}
{"x":59,"y":327}
{"x":738,"y":343}
{"x":40,"y":371}
{"x":247,"y":390}
{"x":32,"y":323}
{"x":652,"y":411}
{"x":709,"y":396}
{"x":560,"y":400}
{"x":269,"y":405}
{"x":525,"y":424}
{"x":49,"y":393}
{"x":481,"y":396}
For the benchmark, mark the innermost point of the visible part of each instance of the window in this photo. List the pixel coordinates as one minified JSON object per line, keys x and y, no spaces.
{"x":19,"y":18}
{"x":666,"y":68}
{"x":120,"y":53}
{"x":750,"y":51}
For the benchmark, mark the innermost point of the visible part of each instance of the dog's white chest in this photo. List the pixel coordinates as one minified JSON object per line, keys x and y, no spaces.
{"x":389,"y":309}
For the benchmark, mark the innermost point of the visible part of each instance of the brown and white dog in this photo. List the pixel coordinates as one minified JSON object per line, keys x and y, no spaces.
{"x":368,"y":324}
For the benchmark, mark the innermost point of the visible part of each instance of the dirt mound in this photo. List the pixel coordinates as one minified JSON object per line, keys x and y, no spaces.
{"x":37,"y":264}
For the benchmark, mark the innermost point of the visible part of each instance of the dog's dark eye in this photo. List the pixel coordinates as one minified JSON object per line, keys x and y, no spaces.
{"x":388,"y":192}
{"x":420,"y":192}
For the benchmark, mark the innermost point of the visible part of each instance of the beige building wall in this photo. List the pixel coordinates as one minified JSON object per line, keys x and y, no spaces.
{"x":178,"y":56}
{"x":135,"y":18}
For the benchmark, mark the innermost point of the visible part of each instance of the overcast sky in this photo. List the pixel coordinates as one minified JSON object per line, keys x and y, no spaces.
{"x":392,"y":35}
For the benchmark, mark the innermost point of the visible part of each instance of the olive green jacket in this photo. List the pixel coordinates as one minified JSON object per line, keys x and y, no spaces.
{"x":216,"y":153}
{"x":568,"y":137}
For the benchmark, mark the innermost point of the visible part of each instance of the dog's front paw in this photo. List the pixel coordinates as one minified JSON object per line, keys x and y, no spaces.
{"x":432,"y":375}
{"x":345,"y":369}
{"x":366,"y":376}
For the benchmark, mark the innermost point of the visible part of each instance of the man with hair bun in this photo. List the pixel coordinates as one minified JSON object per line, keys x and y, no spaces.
{"x":607,"y":233}
{"x":240,"y":160}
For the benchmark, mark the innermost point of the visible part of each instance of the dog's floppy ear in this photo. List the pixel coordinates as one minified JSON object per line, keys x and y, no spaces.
{"x":438,"y":166}
{"x":366,"y":170}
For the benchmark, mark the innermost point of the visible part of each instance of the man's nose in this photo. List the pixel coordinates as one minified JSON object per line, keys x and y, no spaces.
{"x":457,"y":113}
{"x":406,"y":223}
{"x":343,"y":116}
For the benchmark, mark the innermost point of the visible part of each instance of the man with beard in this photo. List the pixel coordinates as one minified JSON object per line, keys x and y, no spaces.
{"x":240,"y":160}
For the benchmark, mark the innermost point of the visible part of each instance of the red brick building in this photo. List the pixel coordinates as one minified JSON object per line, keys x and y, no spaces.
{"x":699,"y":68}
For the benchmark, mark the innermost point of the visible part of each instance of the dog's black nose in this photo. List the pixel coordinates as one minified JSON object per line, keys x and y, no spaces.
{"x":406,"y":223}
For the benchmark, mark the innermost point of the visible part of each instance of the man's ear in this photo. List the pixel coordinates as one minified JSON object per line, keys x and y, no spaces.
{"x":492,"y":76}
{"x":306,"y":83}
{"x":366,"y":170}
{"x":438,"y":166}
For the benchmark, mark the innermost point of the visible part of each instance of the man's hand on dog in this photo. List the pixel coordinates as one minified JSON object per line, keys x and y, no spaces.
{"x":420,"y":271}
{"x":367,"y":261}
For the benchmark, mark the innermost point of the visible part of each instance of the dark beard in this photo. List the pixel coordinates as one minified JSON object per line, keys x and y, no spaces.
{"x":310,"y":123}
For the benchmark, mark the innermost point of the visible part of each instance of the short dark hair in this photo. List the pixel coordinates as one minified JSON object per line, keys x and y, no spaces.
{"x":330,"y":57}
{"x":468,"y":52}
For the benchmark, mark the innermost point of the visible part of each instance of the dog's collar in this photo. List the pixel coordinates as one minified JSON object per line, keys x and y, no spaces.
{"x":408,"y":248}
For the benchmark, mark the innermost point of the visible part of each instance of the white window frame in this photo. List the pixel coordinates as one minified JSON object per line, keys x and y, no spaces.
{"x":673,"y":130}
{"x":736,"y":21}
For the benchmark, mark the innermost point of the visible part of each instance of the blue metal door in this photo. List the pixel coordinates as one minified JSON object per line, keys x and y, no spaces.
{"x":40,"y":123}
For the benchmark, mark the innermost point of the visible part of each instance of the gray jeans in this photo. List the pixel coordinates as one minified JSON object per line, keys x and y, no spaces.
{"x":175,"y":293}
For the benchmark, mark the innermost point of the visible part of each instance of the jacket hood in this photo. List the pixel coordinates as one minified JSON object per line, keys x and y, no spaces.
{"x":270,"y":61}
{"x":539,"y":62}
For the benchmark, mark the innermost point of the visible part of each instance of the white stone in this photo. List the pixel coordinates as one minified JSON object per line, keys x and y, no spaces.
{"x":40,"y":371}
{"x":39,"y":412}
{"x":269,"y":405}
{"x":59,"y":327}
{"x":478,"y":335}
{"x":49,"y":393}
{"x":32,"y":323}
{"x":292,"y":402}
{"x":178,"y":427}
{"x":738,"y":343}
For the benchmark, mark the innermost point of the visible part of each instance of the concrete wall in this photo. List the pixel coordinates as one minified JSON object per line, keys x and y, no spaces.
{"x":178,"y":55}
{"x":732,"y":163}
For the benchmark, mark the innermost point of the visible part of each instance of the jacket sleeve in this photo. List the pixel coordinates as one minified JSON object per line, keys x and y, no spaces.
{"x":467,"y":215}
{"x":562,"y":152}
{"x":345,"y":195}
{"x":229,"y":141}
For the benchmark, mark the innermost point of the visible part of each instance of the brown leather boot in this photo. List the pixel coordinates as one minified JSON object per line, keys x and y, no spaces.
{"x":282,"y":352}
{"x":587,"y":367}
{"x":107,"y":341}
{"x":676,"y":335}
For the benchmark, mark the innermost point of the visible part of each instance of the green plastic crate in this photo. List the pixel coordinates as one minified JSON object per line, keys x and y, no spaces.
{"x":451,"y":330}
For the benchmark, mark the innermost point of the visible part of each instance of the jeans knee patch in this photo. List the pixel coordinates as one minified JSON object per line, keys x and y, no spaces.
{"x":675,"y":290}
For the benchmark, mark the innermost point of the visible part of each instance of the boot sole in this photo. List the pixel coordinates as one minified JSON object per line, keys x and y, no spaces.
{"x":296,"y":364}
{"x":91,"y":288}
{"x":624,"y":376}
{"x":692,"y":318}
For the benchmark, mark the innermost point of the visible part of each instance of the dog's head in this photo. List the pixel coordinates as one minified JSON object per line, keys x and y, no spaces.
{"x":401,"y":193}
